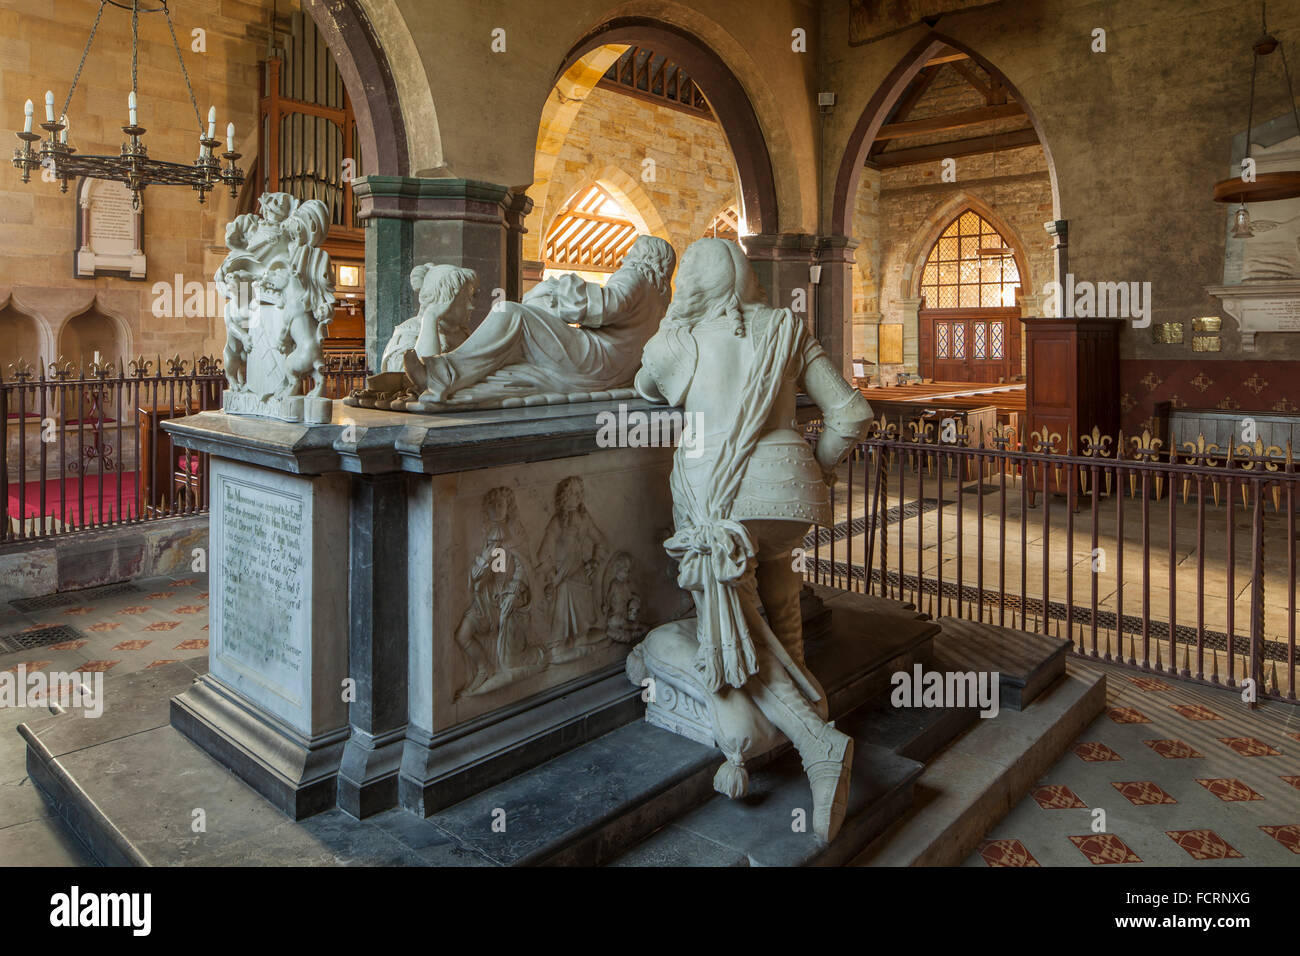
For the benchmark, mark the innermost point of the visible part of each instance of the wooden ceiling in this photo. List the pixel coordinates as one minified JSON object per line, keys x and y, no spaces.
{"x":650,"y":76}
{"x":905,"y":139}
{"x":585,"y":237}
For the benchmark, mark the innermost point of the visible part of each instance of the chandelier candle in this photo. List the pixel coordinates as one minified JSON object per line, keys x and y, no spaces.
{"x":132,"y":165}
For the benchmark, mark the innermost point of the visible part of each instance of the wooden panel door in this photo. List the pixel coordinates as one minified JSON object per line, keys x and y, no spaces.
{"x":978,"y":345}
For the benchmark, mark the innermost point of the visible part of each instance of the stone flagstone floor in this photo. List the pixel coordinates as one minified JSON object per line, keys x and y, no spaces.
{"x":1186,"y":774}
{"x":163,"y":620}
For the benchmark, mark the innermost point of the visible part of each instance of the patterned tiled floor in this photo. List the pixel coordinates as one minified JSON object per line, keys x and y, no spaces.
{"x":165,"y":620}
{"x":1171,"y":774}
{"x":1185,"y":775}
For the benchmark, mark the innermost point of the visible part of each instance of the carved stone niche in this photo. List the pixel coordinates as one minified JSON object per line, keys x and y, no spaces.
{"x":110,"y":233}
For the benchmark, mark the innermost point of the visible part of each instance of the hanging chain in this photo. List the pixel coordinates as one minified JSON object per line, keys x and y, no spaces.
{"x":135,"y":42}
{"x":1250,"y":114}
{"x":1287,"y":72}
{"x":184,"y":72}
{"x":84,"y":54}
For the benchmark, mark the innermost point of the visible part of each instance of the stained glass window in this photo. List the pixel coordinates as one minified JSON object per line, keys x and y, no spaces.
{"x":941,"y":339}
{"x":995,"y":340}
{"x":970,"y":266}
{"x":958,"y":340}
{"x":981,"y":339}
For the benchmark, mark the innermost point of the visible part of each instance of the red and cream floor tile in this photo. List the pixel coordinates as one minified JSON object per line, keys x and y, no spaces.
{"x":1169,"y":774}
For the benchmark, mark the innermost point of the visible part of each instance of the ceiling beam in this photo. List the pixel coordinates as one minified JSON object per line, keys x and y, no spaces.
{"x":949,"y":121}
{"x":993,"y":143}
{"x":915,"y":91}
{"x":968,"y":74}
{"x":946,"y":58}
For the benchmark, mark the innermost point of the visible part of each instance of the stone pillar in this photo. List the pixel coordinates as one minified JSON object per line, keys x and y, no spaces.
{"x":388,"y":270}
{"x":781,"y":262}
{"x":531,"y":274}
{"x":911,"y":309}
{"x":461,"y":222}
{"x":517,"y":210}
{"x":1059,"y":229}
{"x":377,"y":652}
{"x":835,"y":299}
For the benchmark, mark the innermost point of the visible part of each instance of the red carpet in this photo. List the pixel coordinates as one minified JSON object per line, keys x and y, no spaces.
{"x":72,"y":492}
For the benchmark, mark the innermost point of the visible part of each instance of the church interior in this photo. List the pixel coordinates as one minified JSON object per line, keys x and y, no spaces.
{"x":650,"y":434}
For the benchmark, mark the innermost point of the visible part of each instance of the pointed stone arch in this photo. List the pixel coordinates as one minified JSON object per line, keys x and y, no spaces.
{"x":728,"y":97}
{"x":877,"y":110}
{"x":14,"y":314}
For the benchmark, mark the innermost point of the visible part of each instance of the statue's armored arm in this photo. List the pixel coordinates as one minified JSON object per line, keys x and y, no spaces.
{"x":845,"y":413}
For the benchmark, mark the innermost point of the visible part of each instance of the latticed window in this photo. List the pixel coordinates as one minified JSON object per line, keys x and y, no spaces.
{"x":970,"y":266}
{"x":995,"y":340}
{"x":941,"y":340}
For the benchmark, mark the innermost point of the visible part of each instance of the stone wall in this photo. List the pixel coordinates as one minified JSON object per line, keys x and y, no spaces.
{"x":692,"y":177}
{"x":41,"y":42}
{"x":1137,"y":136}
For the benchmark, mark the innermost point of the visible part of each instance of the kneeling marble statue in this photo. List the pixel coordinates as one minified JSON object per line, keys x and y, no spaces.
{"x":742,"y":501}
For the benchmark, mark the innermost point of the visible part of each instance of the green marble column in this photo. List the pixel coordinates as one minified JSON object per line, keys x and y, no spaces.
{"x":461,"y":222}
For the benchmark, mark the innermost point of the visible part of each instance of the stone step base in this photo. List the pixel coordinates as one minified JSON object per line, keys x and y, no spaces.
{"x":1027,"y":663}
{"x":965,"y":790}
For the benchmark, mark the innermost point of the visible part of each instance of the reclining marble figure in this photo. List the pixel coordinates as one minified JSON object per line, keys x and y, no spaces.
{"x":279,"y":297}
{"x":566,"y":340}
{"x":742,"y":501}
{"x":445,"y":293}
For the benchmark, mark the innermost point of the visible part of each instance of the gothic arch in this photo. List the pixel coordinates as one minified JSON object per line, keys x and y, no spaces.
{"x":627,"y":192}
{"x":112,"y":326}
{"x":394,"y":111}
{"x":12,"y":308}
{"x":878,"y":107}
{"x":727,"y":96}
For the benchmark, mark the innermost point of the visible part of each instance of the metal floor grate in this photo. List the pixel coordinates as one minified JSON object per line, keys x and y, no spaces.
{"x":69,"y":598}
{"x":41,"y":637}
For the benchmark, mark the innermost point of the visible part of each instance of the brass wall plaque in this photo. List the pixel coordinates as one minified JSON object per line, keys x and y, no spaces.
{"x":1167,"y":333}
{"x":891,"y":344}
{"x":1206,"y":343}
{"x":1210,"y":323}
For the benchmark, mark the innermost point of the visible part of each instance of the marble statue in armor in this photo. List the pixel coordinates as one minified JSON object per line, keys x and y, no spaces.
{"x":742,"y":502}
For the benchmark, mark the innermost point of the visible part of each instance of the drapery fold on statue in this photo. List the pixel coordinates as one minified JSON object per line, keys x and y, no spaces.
{"x":714,"y":552}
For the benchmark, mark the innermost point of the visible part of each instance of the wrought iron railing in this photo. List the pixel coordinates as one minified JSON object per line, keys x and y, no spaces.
{"x":82,"y":448}
{"x":1178,"y":561}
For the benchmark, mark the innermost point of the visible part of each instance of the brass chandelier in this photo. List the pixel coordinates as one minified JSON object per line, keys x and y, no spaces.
{"x":132,"y":166}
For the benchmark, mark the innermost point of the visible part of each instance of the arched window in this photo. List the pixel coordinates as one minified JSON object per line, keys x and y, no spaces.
{"x":591,"y":233}
{"x":970,"y":266}
{"x":968,"y":321}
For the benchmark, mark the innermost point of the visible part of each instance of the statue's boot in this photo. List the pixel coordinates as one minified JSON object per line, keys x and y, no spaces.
{"x":827,"y":754}
{"x":778,"y":589}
